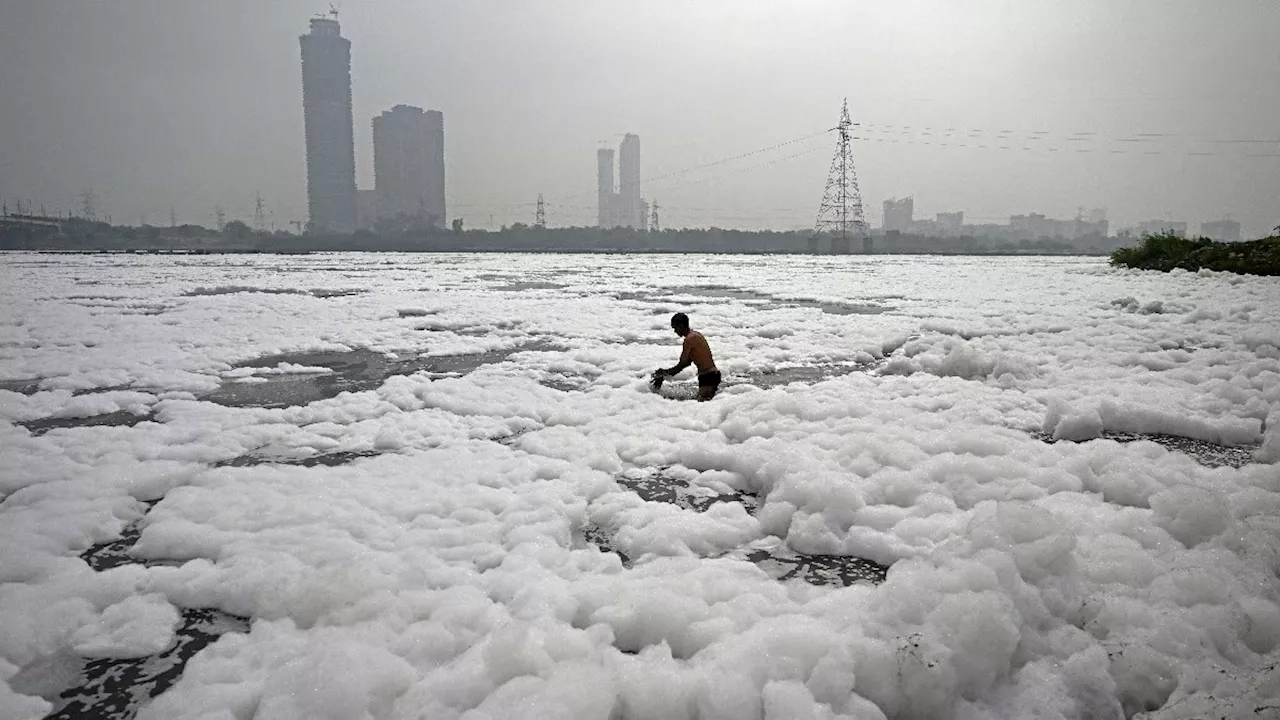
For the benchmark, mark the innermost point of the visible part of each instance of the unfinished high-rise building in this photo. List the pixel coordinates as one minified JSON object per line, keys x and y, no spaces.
{"x":604,"y":187}
{"x":629,"y":203}
{"x":408,"y":164}
{"x":326,"y":110}
{"x":899,"y":214}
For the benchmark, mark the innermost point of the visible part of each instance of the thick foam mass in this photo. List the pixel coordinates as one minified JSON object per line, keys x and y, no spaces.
{"x":467,"y":542}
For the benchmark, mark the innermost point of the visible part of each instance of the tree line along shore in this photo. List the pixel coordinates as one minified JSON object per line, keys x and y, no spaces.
{"x":1167,"y":252}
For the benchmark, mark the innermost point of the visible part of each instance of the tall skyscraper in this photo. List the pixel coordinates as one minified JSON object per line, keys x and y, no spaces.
{"x":408,"y":163}
{"x":629,"y":182}
{"x":326,"y":109}
{"x":604,"y":187}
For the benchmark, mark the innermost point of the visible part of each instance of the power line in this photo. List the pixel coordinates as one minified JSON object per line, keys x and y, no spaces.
{"x":647,"y":181}
{"x":1076,"y":136}
{"x":1080,"y":142}
{"x":736,"y":157}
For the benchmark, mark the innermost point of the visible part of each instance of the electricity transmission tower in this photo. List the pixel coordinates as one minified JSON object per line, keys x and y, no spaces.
{"x":219,"y":217}
{"x":89,"y":205}
{"x":841,"y":210}
{"x":540,"y":218}
{"x":259,"y":213}
{"x":653,"y":221}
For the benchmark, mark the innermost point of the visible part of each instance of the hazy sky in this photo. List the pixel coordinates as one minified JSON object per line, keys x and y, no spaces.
{"x":192,"y":104}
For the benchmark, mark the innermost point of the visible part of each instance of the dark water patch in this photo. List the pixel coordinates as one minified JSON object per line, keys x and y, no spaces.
{"x":501,"y":330}
{"x":143,"y":310}
{"x":823,"y":570}
{"x":760,"y":300}
{"x":636,"y":295}
{"x":416,"y":312}
{"x":660,"y":487}
{"x":95,"y":390}
{"x":511,"y":439}
{"x":22,"y":387}
{"x":564,"y":383}
{"x":119,"y":418}
{"x":603,"y":539}
{"x":232,"y":289}
{"x":531,"y":285}
{"x":351,"y":371}
{"x":335,"y":292}
{"x":112,"y":689}
{"x":841,"y":308}
{"x":1206,"y":453}
{"x":779,"y":563}
{"x":723,"y":292}
{"x":115,"y":553}
{"x":333,"y":459}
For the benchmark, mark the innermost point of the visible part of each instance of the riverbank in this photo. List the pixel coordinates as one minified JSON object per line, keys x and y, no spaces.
{"x":1166,"y":252}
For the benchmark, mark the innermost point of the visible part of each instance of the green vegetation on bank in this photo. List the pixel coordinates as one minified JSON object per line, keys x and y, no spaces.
{"x":1166,"y":252}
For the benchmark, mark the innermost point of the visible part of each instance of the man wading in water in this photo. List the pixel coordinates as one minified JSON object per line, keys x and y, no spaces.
{"x":696,"y":352}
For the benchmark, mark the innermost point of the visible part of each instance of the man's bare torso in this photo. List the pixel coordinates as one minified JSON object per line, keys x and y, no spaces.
{"x":697,"y":351}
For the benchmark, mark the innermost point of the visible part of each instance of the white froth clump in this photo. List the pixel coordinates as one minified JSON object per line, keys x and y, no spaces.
{"x":135,"y":627}
{"x":1269,"y":452}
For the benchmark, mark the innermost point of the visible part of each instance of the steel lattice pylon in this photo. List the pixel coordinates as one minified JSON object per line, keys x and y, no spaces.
{"x":841,"y":211}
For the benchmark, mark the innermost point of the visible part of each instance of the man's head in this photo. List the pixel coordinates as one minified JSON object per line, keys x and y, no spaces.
{"x":680,"y":323}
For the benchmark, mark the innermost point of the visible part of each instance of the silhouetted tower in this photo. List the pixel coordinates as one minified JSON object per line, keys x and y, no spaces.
{"x":219,"y":217}
{"x":259,"y":213}
{"x":408,"y":164}
{"x":173,"y":217}
{"x":540,"y":218}
{"x":606,"y":204}
{"x":653,"y":221}
{"x":88,"y":205}
{"x":630,"y":205}
{"x":841,"y":209}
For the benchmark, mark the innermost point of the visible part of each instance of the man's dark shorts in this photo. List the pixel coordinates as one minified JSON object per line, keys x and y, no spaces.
{"x":709,"y":379}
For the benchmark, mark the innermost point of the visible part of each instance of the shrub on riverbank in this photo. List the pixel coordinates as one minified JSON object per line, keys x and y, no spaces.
{"x":1166,"y":252}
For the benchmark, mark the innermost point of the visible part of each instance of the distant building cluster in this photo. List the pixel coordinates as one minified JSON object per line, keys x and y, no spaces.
{"x":408,"y":147}
{"x":1085,"y":229}
{"x":1221,"y":230}
{"x":899,"y":217}
{"x":409,"y":173}
{"x":623,"y":206}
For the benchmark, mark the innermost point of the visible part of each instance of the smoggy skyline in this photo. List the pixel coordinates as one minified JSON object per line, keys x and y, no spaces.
{"x":1152,"y":108}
